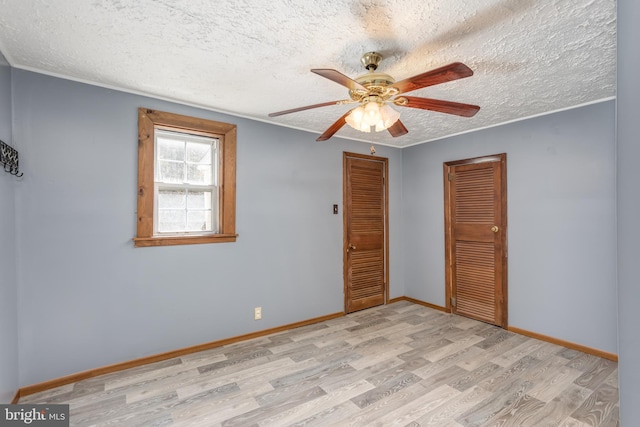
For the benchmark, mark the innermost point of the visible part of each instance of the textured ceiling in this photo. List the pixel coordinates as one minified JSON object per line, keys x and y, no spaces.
{"x":250,"y":58}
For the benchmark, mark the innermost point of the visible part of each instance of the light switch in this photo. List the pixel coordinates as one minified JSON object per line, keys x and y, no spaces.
{"x":335,"y":209}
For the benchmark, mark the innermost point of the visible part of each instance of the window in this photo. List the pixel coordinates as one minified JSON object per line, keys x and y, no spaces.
{"x":186,"y":185}
{"x":186,"y":180}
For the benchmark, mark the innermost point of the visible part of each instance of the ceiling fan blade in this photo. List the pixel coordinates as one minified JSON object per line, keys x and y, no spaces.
{"x":450,"y":72}
{"x":339,"y":78}
{"x":397,"y":129}
{"x":448,"y":107}
{"x":334,"y":128}
{"x":308,"y":107}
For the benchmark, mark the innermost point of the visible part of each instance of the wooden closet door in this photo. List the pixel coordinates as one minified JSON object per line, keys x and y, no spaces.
{"x":476,"y":238}
{"x":365,"y":219}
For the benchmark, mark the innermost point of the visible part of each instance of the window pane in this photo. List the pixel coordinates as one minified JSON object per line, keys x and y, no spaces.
{"x":199,"y":174}
{"x":171,"y":220}
{"x":199,"y":200}
{"x":199,"y":153}
{"x":169,"y":171}
{"x":172,"y":199}
{"x":199,"y":221}
{"x":185,"y":162}
{"x":170,"y":149}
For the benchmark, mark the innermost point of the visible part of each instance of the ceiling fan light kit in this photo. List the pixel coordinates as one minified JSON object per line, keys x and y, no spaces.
{"x":373,"y":114}
{"x":374,"y":91}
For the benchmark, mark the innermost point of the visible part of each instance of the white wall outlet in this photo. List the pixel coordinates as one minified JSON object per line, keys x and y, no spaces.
{"x":257,"y":313}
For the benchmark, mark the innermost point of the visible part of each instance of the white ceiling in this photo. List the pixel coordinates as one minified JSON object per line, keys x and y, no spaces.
{"x":250,"y":58}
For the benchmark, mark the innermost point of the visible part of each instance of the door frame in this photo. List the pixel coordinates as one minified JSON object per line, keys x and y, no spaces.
{"x":448,"y":229}
{"x":345,"y":237}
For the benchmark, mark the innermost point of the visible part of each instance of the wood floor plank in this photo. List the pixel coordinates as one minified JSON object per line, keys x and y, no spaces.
{"x":150,"y":388}
{"x":520,"y":413}
{"x":461,"y":357}
{"x":554,"y":382}
{"x":507,"y":375}
{"x":261,"y":413}
{"x":148,"y":376}
{"x":545,"y":370}
{"x":330,"y":416}
{"x":584,"y":362}
{"x":371,"y":415}
{"x":309,"y":379}
{"x":452,"y":348}
{"x":452,"y":408}
{"x":406,"y":366}
{"x":484,"y":411}
{"x":261,"y":374}
{"x":572,"y":422}
{"x":487,"y":355}
{"x":592,"y":378}
{"x":215,"y":410}
{"x":612,"y":379}
{"x":400,"y":364}
{"x":443,"y":377}
{"x":597,"y":408}
{"x":371,"y":359}
{"x":385,"y":389}
{"x":395,"y":333}
{"x":508,"y":357}
{"x":546,"y":350}
{"x":423,"y":404}
{"x":472,"y":378}
{"x":362,"y":374}
{"x":553,"y":413}
{"x":321,"y":405}
{"x":315,"y":372}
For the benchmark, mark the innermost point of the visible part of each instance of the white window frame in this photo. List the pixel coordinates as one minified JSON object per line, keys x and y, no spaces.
{"x":214,"y":187}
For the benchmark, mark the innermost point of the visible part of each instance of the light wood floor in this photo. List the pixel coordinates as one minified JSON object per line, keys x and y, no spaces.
{"x":401,"y":364}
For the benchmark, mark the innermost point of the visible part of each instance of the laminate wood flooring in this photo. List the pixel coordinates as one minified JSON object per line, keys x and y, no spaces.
{"x":400,"y":364}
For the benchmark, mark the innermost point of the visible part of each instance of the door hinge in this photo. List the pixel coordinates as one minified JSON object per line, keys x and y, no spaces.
{"x":452,"y":176}
{"x":453,"y":302}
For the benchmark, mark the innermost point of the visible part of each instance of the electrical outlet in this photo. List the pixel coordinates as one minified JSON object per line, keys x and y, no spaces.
{"x":257,"y":313}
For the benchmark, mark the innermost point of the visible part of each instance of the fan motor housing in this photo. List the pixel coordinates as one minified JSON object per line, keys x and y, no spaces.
{"x":378,"y":84}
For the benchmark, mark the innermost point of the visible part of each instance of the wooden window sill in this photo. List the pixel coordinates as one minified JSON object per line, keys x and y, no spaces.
{"x":141,"y":242}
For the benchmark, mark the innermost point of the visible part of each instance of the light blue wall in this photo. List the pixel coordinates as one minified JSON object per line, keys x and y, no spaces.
{"x":561,"y":221}
{"x":628,"y":115}
{"x":89,"y":298}
{"x":8,"y":279}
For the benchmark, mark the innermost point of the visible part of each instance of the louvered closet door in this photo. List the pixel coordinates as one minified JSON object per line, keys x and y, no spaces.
{"x":365,"y":211}
{"x":478,"y":267}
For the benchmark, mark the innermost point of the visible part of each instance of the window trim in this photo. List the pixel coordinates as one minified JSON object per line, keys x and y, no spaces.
{"x":148,"y":121}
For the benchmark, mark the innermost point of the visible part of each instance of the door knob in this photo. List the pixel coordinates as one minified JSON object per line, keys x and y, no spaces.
{"x":495,"y":229}
{"x":351,"y":246}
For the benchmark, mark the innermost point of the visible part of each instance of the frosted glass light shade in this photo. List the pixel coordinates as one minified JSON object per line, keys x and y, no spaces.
{"x":388,"y":116}
{"x":372,"y":115}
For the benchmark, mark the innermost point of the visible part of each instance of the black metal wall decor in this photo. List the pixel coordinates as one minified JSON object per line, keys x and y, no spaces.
{"x":9,"y":159}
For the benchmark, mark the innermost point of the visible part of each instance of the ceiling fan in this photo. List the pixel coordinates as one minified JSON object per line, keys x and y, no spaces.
{"x":375,"y":91}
